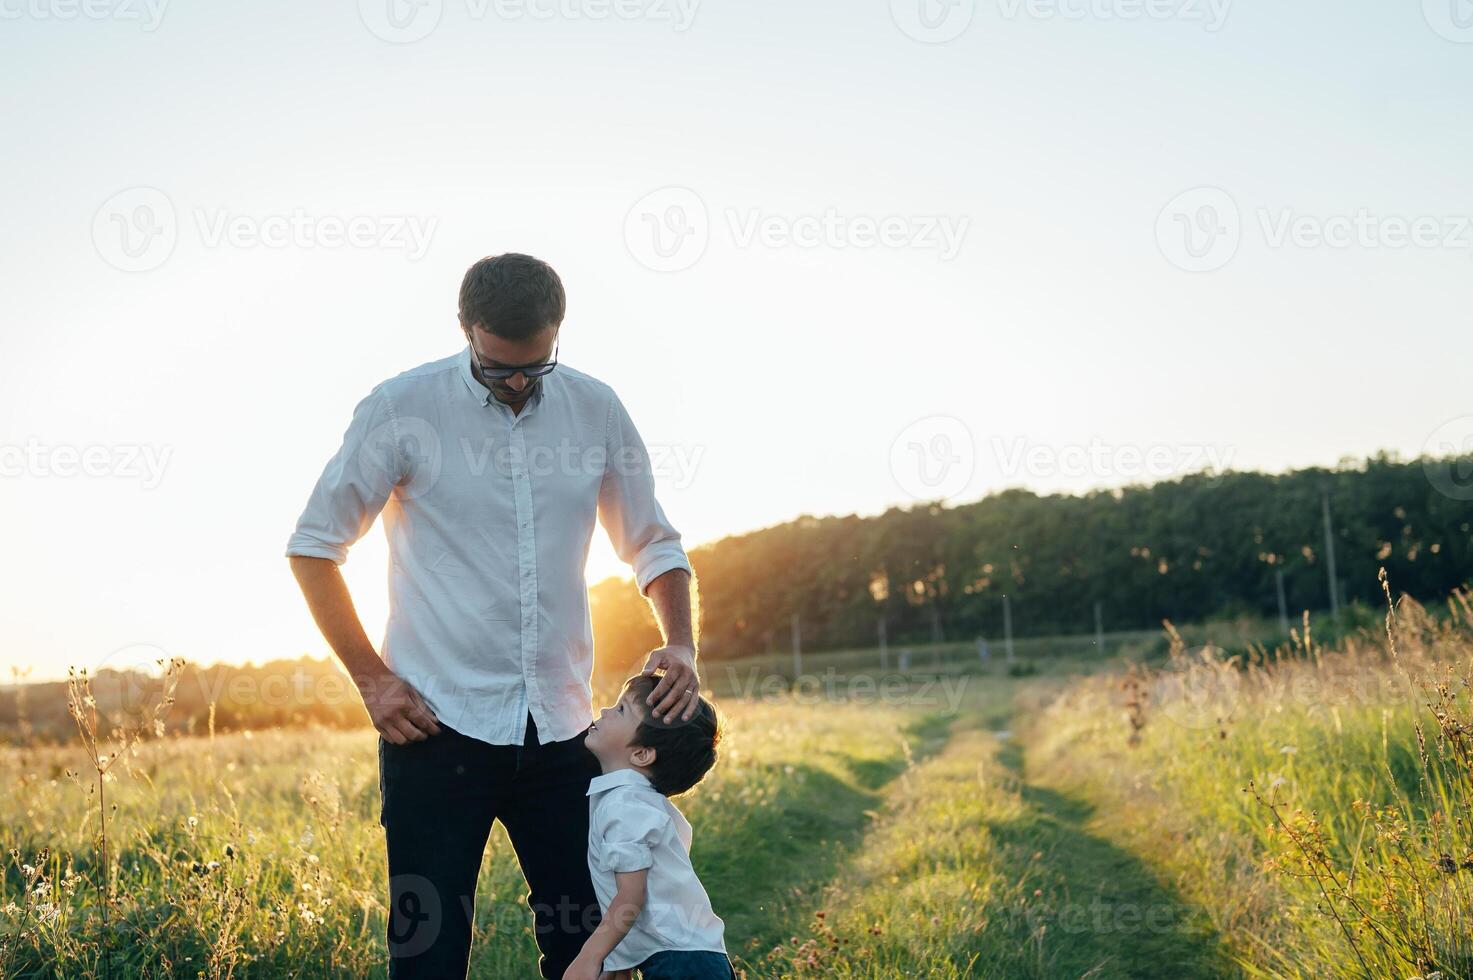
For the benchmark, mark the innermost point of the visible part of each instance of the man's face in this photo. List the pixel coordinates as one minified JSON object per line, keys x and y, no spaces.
{"x":498,"y":352}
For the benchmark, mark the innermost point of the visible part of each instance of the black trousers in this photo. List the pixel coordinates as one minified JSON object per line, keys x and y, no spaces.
{"x":440,"y":797}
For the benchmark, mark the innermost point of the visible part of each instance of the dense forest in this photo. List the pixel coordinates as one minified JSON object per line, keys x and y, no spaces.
{"x":1204,"y":546}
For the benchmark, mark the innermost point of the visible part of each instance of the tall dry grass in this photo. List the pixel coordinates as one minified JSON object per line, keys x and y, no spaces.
{"x":259,"y":853}
{"x":1314,"y":803}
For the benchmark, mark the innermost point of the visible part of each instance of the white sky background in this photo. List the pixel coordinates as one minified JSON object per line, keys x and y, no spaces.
{"x":785,"y":371}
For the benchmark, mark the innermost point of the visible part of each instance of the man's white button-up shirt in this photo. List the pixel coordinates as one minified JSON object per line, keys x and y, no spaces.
{"x":489,"y":515}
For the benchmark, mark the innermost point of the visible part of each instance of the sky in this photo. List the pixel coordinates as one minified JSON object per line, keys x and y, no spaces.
{"x":834,"y":256}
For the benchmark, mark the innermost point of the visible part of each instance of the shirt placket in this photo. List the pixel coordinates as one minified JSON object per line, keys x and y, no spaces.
{"x":526,"y":570}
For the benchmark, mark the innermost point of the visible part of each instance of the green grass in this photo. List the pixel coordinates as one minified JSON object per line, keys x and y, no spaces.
{"x":1314,"y":807}
{"x":972,"y":871}
{"x":260,"y":854}
{"x":1080,"y":822}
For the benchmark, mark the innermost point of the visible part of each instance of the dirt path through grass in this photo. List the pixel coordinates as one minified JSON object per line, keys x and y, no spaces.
{"x":770,"y":865}
{"x":1099,"y":910}
{"x":969,"y":869}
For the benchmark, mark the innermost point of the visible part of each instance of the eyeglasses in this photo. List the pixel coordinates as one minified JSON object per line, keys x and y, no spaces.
{"x":506,"y":373}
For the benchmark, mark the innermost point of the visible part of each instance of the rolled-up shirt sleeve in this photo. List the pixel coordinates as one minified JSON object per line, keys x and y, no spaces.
{"x":630,"y":835}
{"x":354,"y":486}
{"x":641,"y":534}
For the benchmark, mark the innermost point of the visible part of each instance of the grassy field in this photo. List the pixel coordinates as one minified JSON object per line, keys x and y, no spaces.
{"x":260,"y":854}
{"x":1303,"y":813}
{"x":1313,"y":804}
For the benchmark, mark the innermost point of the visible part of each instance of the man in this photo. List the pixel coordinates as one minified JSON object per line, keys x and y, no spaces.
{"x":489,"y":467}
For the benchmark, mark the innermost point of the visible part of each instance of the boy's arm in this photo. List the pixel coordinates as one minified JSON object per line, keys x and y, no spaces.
{"x":623,"y":910}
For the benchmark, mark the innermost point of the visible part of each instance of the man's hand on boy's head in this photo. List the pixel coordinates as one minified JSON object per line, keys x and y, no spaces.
{"x":676,"y":694}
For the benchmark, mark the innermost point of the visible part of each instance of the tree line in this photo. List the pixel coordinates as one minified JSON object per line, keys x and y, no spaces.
{"x":1203,"y":546}
{"x":1199,"y":548}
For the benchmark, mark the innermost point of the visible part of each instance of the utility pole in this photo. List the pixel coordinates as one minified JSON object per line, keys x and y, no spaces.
{"x":1283,"y":602}
{"x":1100,"y":627}
{"x":1330,"y":557}
{"x":884,"y":647}
{"x":1007,"y":626}
{"x":936,"y":637}
{"x":797,"y":648}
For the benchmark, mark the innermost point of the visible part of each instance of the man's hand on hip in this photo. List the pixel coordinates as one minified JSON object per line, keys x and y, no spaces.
{"x":399,"y":712}
{"x":676,"y":693}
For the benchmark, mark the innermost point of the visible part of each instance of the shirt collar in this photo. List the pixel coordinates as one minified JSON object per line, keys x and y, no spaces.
{"x":619,"y":777}
{"x":480,"y":392}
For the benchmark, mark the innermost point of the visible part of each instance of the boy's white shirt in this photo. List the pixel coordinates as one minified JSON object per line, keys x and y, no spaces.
{"x":632,"y":826}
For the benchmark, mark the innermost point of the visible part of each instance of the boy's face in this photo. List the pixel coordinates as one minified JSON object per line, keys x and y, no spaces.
{"x":609,"y":736}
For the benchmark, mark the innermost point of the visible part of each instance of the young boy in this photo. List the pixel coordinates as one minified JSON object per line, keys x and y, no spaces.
{"x":656,"y":916}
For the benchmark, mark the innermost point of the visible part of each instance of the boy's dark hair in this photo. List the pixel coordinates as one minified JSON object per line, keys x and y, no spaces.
{"x":513,"y":296}
{"x":684,"y":750}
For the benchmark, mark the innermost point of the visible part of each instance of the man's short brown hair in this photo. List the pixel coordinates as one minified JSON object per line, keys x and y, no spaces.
{"x":513,"y":296}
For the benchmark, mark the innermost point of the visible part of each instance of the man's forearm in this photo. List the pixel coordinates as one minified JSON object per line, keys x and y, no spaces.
{"x":332,"y":607}
{"x":675,"y":598}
